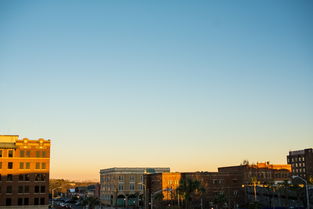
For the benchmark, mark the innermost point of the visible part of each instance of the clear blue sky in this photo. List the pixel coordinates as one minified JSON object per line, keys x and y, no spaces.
{"x":192,"y":85}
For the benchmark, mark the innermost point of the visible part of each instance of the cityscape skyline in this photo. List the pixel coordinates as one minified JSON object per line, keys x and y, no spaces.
{"x":190,"y":86}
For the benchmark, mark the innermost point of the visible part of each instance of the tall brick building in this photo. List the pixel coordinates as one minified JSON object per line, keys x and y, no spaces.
{"x":262,"y":173}
{"x":24,"y":169}
{"x":301,"y":162}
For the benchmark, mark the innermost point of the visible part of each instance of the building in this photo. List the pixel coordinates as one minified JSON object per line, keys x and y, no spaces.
{"x":93,"y":190}
{"x":163,"y":188}
{"x":124,"y":186}
{"x":24,"y":172}
{"x":230,"y":187}
{"x":301,"y":162}
{"x":260,"y":173}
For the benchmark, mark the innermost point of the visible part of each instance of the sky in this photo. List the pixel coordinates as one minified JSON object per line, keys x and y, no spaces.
{"x":190,"y":85}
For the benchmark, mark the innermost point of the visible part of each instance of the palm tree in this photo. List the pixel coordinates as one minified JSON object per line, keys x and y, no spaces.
{"x":91,"y":202}
{"x":187,"y":188}
{"x":220,"y":200}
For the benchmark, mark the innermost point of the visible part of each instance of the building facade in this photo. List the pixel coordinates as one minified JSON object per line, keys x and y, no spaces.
{"x":163,"y":188}
{"x":301,"y":162}
{"x":24,"y":172}
{"x":260,"y":173}
{"x":124,"y":186}
{"x":229,"y":187}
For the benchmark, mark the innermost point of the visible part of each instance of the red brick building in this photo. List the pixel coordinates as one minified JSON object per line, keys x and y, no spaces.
{"x":24,"y":172}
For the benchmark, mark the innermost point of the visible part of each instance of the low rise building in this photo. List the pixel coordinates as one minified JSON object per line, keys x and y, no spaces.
{"x":124,"y":186}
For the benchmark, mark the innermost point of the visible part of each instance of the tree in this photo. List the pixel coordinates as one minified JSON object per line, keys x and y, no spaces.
{"x":187,"y":188}
{"x":220,"y":200}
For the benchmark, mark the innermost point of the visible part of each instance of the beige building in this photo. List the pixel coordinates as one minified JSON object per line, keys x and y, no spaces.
{"x":124,"y":186}
{"x":24,"y":172}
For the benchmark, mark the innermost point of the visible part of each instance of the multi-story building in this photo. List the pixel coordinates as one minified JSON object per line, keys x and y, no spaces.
{"x":164,"y":187}
{"x":24,"y":172}
{"x":124,"y":186}
{"x":260,"y":173}
{"x":301,"y":162}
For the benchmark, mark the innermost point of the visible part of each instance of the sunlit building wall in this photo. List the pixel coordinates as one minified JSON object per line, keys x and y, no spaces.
{"x":24,"y":169}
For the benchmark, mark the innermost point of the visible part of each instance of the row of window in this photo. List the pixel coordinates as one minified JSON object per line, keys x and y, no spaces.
{"x":298,"y":164}
{"x":24,"y":189}
{"x":300,"y":170}
{"x":297,"y":159}
{"x":23,"y":153}
{"x":25,"y":201}
{"x":25,"y":177}
{"x":121,"y":187}
{"x":120,"y":178}
{"x":24,"y":165}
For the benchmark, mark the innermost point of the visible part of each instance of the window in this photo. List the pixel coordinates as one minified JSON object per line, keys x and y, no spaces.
{"x":131,"y":186}
{"x":22,"y":153}
{"x":20,"y":201}
{"x":36,"y":189}
{"x":21,"y":165}
{"x":120,"y":187}
{"x":132,"y":178}
{"x":37,"y":154}
{"x":21,"y":177}
{"x":121,"y":178}
{"x":0,"y":153}
{"x":26,"y":189}
{"x":140,"y":187}
{"x":9,"y":189}
{"x":8,"y":201}
{"x":27,"y":166}
{"x":27,"y":153}
{"x":10,"y":153}
{"x":40,"y":177}
{"x":43,"y":165}
{"x":26,"y":177}
{"x":43,"y":153}
{"x":36,"y":201}
{"x":42,"y":201}
{"x":0,"y":165}
{"x":20,"y":189}
{"x":37,"y":165}
{"x":9,"y":177}
{"x":10,"y":165}
{"x":26,"y":201}
{"x":42,"y":189}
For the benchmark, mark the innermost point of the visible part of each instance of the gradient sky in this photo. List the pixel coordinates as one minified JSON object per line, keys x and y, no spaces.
{"x":192,"y":85}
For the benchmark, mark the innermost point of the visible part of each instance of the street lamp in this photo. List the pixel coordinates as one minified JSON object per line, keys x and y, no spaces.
{"x":157,"y":192}
{"x":306,"y":190}
{"x":145,"y":194}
